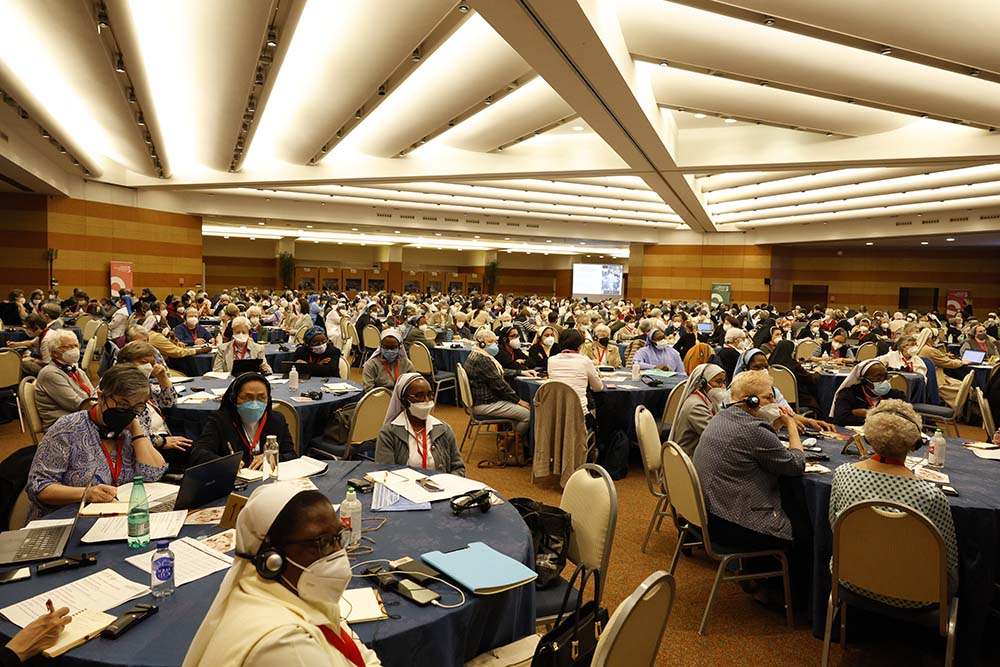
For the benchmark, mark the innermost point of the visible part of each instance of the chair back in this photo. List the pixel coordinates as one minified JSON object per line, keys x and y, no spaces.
{"x":420,"y":357}
{"x":984,"y":409}
{"x":635,"y":630}
{"x":10,"y":369}
{"x":372,"y":338}
{"x":88,"y":355}
{"x":344,"y":367}
{"x":430,"y":334}
{"x":349,"y":331}
{"x":868,"y":537}
{"x":867,"y":351}
{"x":369,"y":415}
{"x":89,"y":328}
{"x":805,"y":348}
{"x":464,"y":388}
{"x":26,"y":392}
{"x":673,"y":403}
{"x":592,"y":502}
{"x":900,"y":383}
{"x":285,"y":409}
{"x":101,"y":336}
{"x":19,"y":513}
{"x":786,"y":383}
{"x":684,"y":487}
{"x":300,"y":335}
{"x":82,"y":321}
{"x":963,"y":393}
{"x":648,"y":433}
{"x":559,"y":429}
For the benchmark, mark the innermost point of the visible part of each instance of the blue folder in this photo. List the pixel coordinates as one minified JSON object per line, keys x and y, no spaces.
{"x":481,"y":569}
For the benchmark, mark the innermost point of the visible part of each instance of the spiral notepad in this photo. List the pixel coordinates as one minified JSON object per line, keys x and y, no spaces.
{"x":86,"y":624}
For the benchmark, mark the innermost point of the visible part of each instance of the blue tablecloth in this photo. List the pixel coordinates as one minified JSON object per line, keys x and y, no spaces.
{"x":421,"y":637}
{"x":16,"y":334}
{"x":615,"y":415}
{"x":189,"y":420}
{"x":199,"y":364}
{"x":982,"y":372}
{"x":976,"y":513}
{"x":447,"y":358}
{"x":828,"y":383}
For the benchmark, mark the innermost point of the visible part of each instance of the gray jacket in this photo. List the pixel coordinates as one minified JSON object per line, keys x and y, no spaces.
{"x":393,"y":446}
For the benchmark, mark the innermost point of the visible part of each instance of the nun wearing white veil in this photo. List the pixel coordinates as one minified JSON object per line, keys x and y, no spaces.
{"x":279,"y":604}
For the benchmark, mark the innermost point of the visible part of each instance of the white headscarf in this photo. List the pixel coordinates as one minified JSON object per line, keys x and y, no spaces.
{"x":923,"y":338}
{"x":855,"y":377}
{"x":396,"y":406}
{"x":252,"y":525}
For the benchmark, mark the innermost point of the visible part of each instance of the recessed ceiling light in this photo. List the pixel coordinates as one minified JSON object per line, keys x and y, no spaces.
{"x":700,"y":115}
{"x":578,"y":128}
{"x":396,"y":231}
{"x":260,"y":223}
{"x":475,"y":237}
{"x":924,"y":243}
{"x":354,"y":229}
{"x":437,"y":233}
{"x":315,"y":241}
{"x":506,"y":238}
{"x":728,"y":120}
{"x":869,"y":243}
{"x":309,"y":226}
{"x":885,"y":50}
{"x":548,"y":240}
{"x":949,"y":240}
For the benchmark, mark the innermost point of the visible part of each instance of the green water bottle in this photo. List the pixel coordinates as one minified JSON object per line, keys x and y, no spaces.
{"x":138,"y":516}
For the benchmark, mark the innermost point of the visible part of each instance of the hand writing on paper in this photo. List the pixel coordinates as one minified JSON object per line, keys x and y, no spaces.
{"x":40,"y":634}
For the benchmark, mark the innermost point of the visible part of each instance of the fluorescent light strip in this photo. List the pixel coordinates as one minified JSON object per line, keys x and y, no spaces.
{"x":812,"y":182}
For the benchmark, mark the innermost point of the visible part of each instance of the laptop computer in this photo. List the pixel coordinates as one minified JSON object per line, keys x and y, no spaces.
{"x":203,"y":483}
{"x":31,"y":544}
{"x":974,"y":356}
{"x":705,"y":327}
{"x":10,"y":315}
{"x":241,"y":366}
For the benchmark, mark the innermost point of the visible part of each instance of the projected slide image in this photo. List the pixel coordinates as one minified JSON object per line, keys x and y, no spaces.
{"x":597,"y":281}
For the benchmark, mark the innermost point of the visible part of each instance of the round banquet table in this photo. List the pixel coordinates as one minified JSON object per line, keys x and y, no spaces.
{"x":210,"y":321}
{"x":17,"y":334}
{"x":976,"y":513}
{"x":199,"y":364}
{"x":188,"y":419}
{"x":828,"y":383}
{"x":615,"y":413}
{"x":447,"y":358}
{"x":420,"y":637}
{"x":982,"y":372}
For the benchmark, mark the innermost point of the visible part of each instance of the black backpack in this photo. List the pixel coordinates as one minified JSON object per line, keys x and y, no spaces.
{"x":550,"y":528}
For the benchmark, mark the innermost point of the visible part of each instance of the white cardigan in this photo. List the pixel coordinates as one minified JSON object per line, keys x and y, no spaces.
{"x":894,"y":360}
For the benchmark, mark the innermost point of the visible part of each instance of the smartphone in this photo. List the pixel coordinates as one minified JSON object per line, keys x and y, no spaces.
{"x":949,"y":490}
{"x":416,"y":593}
{"x":16,"y":574}
{"x":68,"y":563}
{"x":386,"y":580}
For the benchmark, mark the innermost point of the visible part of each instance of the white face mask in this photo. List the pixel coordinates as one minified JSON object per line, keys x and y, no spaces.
{"x":147,"y":369}
{"x":769,"y":413}
{"x":318,"y":349}
{"x":423,"y":327}
{"x":163,"y":314}
{"x":192,"y":321}
{"x":241,"y":338}
{"x":717,"y":395}
{"x":71,"y":356}
{"x":254,"y":321}
{"x":836,"y":346}
{"x":515,"y":343}
{"x":421,"y":410}
{"x":323,"y":583}
{"x":663,"y":343}
{"x":549,"y":341}
{"x":912,"y":351}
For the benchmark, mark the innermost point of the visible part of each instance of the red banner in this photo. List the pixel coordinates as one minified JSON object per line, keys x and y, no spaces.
{"x":957,"y":298}
{"x":121,"y":276}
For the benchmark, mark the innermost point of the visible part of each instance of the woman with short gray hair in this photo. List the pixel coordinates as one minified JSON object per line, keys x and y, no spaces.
{"x":61,"y":386}
{"x":240,"y":347}
{"x":107,"y":439}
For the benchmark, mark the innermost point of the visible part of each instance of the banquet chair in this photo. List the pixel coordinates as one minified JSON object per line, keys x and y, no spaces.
{"x":14,"y":501}
{"x":866,"y":351}
{"x":88,"y":357}
{"x":372,"y":339}
{"x":672,"y":406}
{"x":475,"y":425}
{"x":635,"y":630}
{"x":561,"y":440}
{"x":89,"y":328}
{"x":944,"y":416}
{"x":345,"y":368}
{"x":285,"y":409}
{"x":82,"y":321}
{"x":687,"y":506}
{"x":987,"y":413}
{"x":786,"y":383}
{"x":591,"y":500}
{"x":19,"y":514}
{"x":899,"y":383}
{"x":868,"y":537}
{"x":420,"y":357}
{"x":10,"y":379}
{"x":652,"y":465}
{"x":26,"y":390}
{"x":805,"y":348}
{"x":369,"y":416}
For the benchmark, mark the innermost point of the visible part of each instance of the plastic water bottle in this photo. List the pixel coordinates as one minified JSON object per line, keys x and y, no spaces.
{"x":935,"y":456}
{"x":293,"y":379}
{"x":138,"y":516}
{"x":162,"y":570}
{"x":271,"y":457}
{"x":635,"y":371}
{"x":350,"y":517}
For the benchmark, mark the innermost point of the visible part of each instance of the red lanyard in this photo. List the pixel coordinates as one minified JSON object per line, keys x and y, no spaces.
{"x":251,"y":446}
{"x":76,"y":378}
{"x":243,"y":355}
{"x":600,"y":355}
{"x":705,"y":400}
{"x":114,"y":468}
{"x":423,"y":452}
{"x":889,"y":461}
{"x":835,"y":353}
{"x":982,"y":345}
{"x":344,"y":643}
{"x":394,"y":376}
{"x":871,"y":403}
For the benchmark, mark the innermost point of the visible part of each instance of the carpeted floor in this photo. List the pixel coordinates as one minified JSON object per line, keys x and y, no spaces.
{"x":741,"y":632}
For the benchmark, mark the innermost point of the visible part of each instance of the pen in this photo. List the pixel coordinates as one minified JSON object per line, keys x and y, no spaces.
{"x":100,"y":480}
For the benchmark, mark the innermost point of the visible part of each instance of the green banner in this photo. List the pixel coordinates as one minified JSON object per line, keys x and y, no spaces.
{"x":720,"y":293}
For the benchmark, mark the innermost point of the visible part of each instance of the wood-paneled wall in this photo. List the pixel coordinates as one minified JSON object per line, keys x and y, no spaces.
{"x":688,"y":271}
{"x":24,"y":221}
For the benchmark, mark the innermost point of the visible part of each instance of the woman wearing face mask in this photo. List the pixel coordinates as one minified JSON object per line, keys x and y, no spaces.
{"x":511,"y":354}
{"x":836,"y":348}
{"x":703,"y":396}
{"x":315,"y":351}
{"x":462,"y":328}
{"x":107,"y":439}
{"x":253,"y":316}
{"x":602,"y":351}
{"x":387,"y":363}
{"x":813,"y":331}
{"x":417,"y":332}
{"x":242,"y":423}
{"x":628,"y":330}
{"x":240,"y":347}
{"x":658,"y":354}
{"x":411,"y":436}
{"x":492,"y":395}
{"x":61,"y":385}
{"x":903,"y":357}
{"x":545,"y":345}
{"x":979,"y":341}
{"x":866,"y":386}
{"x":280,"y":601}
{"x":736,"y":342}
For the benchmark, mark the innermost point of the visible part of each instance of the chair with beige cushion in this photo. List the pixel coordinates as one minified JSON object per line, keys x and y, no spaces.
{"x":635,"y":630}
{"x":866,"y":351}
{"x":420,"y":357}
{"x":89,"y":329}
{"x":476,"y":424}
{"x":672,"y":406}
{"x":649,"y":447}
{"x":82,"y":321}
{"x":899,"y":382}
{"x":805,"y":348}
{"x":10,"y":379}
{"x":26,"y":391}
{"x":947,"y":416}
{"x":371,"y":338}
{"x":989,"y":426}
{"x":871,"y":540}
{"x":285,"y":409}
{"x":369,"y":415}
{"x":345,"y":368}
{"x":687,"y":505}
{"x":786,"y":383}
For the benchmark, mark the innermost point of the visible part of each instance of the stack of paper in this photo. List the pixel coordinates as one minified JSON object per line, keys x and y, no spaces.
{"x":161,"y":525}
{"x":385,"y":500}
{"x":407,"y":483}
{"x":217,"y":375}
{"x":105,"y":509}
{"x":361,"y":605}
{"x":304,"y":466}
{"x":99,"y":591}
{"x":656,"y":372}
{"x":248,"y":475}
{"x":192,"y":560}
{"x":155,"y":491}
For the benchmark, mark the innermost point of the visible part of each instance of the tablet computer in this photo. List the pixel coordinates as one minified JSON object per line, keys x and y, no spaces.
{"x":974,"y":356}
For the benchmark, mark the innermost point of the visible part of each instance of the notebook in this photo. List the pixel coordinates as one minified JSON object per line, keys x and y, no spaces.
{"x":481,"y":569}
{"x":361,"y":605}
{"x":86,"y":624}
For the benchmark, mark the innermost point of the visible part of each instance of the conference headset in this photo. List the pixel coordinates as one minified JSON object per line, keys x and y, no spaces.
{"x":269,"y":562}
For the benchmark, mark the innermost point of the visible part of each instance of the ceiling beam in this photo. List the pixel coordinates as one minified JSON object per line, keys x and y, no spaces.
{"x":594,"y":73}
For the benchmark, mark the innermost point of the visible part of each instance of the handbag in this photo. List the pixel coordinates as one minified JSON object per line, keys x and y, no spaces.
{"x":551,"y":528}
{"x":571,"y":643}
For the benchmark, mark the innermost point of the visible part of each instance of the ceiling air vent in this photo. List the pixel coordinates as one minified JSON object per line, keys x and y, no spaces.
{"x":407,"y":217}
{"x":903,"y":224}
{"x":492,"y":224}
{"x":383,"y":215}
{"x":930,"y":222}
{"x":426,"y":218}
{"x":965,"y":219}
{"x":452,"y":220}
{"x":993,"y":216}
{"x":532,"y":226}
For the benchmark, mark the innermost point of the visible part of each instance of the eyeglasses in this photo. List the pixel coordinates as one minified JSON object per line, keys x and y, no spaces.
{"x":136,"y":409}
{"x":417,"y":397}
{"x":324,"y":544}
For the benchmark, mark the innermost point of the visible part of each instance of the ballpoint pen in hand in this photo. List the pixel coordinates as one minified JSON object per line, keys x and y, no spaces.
{"x":101,"y":481}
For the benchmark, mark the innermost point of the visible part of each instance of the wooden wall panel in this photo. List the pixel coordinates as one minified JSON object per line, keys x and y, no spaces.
{"x":688,"y":271}
{"x":222,"y":273}
{"x":522,"y":282}
{"x":24,"y":221}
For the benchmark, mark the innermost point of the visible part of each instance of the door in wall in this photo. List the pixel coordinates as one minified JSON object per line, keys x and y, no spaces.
{"x":809,"y":295}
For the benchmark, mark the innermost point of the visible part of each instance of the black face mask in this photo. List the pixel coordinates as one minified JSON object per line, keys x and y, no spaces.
{"x":117,"y":420}
{"x":604,"y":341}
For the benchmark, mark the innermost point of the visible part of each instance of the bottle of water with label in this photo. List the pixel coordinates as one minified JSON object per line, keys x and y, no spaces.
{"x":138,"y":516}
{"x":162,"y":570}
{"x":271,"y":457}
{"x":350,"y":518}
{"x":293,"y":379}
{"x":636,"y":375}
{"x":935,"y":457}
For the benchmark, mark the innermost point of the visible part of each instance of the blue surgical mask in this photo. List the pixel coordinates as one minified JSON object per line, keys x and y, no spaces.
{"x":390,"y":354}
{"x":882,"y":388}
{"x":493,"y":348}
{"x":251,"y":411}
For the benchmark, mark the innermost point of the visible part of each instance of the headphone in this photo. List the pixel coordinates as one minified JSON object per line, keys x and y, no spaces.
{"x":752,"y":402}
{"x":269,"y":561}
{"x":472,"y":500}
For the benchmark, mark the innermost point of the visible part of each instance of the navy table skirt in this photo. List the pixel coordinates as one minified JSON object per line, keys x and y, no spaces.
{"x":17,"y":334}
{"x":447,"y":358}
{"x":976,"y":513}
{"x":982,"y":372}
{"x":199,"y":364}
{"x":419,"y":637}
{"x":189,"y":420}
